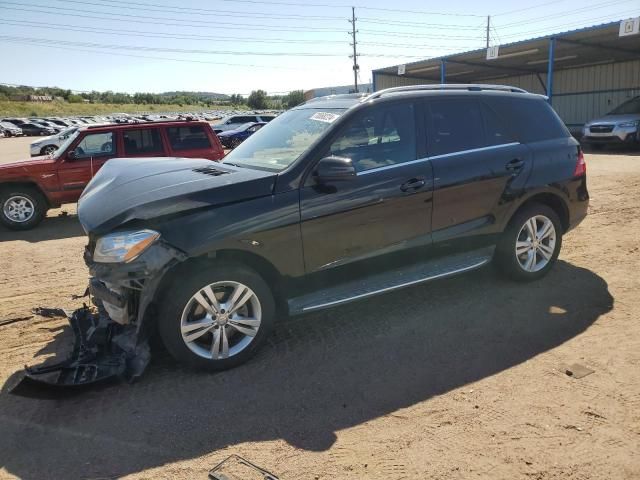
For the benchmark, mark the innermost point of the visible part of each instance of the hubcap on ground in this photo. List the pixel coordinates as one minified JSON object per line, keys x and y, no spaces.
{"x":18,"y":209}
{"x":536,"y":243}
{"x":220,"y":320}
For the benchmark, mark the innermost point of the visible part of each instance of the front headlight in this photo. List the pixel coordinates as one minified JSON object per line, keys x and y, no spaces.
{"x":628,"y":124}
{"x":122,"y":247}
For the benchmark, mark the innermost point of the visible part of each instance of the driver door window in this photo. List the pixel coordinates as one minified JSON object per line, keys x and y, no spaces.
{"x":380,"y":137}
{"x":95,"y":145}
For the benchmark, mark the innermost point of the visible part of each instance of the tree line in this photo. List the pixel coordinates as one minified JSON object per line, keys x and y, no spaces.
{"x":257,"y":99}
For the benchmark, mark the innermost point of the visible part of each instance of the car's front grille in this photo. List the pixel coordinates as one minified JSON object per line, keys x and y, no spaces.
{"x":214,"y":172}
{"x":601,"y":128}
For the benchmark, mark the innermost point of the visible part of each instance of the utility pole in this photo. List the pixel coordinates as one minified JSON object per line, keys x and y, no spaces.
{"x":353,"y":32}
{"x":488,"y":28}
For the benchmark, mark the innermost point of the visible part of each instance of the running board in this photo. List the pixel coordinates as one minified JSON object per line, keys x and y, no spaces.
{"x":389,"y":281}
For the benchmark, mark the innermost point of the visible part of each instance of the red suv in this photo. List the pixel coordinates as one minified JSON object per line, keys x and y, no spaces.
{"x":29,"y":188}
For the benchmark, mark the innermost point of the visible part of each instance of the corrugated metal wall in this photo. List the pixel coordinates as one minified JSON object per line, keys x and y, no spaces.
{"x":579,"y":94}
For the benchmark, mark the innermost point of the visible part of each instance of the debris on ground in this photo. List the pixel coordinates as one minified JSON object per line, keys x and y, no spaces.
{"x":577,"y":371}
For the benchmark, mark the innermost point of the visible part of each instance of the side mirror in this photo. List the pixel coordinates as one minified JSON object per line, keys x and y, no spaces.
{"x":334,"y":169}
{"x":71,"y":155}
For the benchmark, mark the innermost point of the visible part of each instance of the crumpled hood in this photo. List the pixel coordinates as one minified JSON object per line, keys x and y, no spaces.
{"x":613,"y":119}
{"x":128,"y":189}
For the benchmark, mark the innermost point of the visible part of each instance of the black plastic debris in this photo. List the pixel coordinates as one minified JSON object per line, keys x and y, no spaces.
{"x":95,"y":356}
{"x":235,"y":467}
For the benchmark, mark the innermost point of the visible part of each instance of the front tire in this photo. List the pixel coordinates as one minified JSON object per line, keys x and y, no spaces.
{"x":21,"y":208}
{"x":531,"y":243}
{"x":48,"y":150}
{"x":216,"y":318}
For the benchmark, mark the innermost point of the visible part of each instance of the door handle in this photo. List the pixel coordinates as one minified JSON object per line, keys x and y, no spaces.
{"x":413,"y":184}
{"x":515,"y":164}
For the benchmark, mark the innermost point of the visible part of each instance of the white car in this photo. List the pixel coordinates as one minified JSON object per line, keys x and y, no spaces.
{"x":48,"y":145}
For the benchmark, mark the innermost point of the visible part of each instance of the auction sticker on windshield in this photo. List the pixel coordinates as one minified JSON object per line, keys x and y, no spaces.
{"x":324,"y":117}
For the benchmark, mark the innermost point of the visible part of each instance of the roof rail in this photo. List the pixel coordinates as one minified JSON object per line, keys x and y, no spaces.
{"x":139,"y":122}
{"x":447,"y":86}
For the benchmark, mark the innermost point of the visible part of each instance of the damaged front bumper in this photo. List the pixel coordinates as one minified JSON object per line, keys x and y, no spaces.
{"x":111,"y":336}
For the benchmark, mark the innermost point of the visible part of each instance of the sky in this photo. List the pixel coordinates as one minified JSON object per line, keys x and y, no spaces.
{"x":235,"y":46}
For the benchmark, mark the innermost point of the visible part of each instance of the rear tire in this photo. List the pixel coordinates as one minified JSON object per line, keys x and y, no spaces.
{"x":21,"y":208}
{"x":190,"y":330}
{"x":523,"y":258}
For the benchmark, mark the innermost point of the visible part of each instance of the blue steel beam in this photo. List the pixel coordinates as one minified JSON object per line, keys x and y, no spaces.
{"x":552,"y":53}
{"x":443,"y":71}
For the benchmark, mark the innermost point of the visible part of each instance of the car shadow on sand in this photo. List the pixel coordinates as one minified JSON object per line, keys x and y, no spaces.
{"x":319,"y":374}
{"x":51,"y":228}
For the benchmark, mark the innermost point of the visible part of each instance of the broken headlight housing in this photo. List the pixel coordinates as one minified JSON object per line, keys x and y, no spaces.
{"x":123,"y":247}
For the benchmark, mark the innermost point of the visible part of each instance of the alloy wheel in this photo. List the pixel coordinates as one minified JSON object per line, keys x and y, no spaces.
{"x":18,"y":208}
{"x":221,"y":320}
{"x":536,"y":243}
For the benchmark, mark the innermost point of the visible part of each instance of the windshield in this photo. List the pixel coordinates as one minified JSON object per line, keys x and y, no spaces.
{"x":279,"y":143}
{"x":64,"y":145}
{"x":66,"y":132}
{"x":630,"y":106}
{"x":244,"y":126}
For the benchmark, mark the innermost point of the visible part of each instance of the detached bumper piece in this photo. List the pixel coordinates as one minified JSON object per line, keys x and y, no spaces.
{"x":95,"y":356}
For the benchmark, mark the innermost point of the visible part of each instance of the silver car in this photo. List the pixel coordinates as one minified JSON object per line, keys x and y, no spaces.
{"x":620,"y":126}
{"x":48,"y":145}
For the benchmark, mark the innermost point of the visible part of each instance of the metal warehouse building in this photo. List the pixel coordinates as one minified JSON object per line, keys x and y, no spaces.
{"x":585,"y":73}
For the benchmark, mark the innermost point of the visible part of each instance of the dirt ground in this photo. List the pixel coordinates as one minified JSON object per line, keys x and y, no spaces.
{"x":457,"y":379}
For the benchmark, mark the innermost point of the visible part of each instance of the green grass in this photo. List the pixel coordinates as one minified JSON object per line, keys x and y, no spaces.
{"x":63,"y":109}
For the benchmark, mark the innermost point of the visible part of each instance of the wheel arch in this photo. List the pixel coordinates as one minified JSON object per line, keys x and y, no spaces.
{"x":259,"y":264}
{"x":4,"y":186}
{"x":550,"y":199}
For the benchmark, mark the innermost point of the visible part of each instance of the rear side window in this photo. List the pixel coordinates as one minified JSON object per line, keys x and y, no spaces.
{"x":187,"y":138}
{"x":495,"y":130}
{"x":454,"y":125}
{"x":142,"y":141}
{"x":381,"y":136}
{"x":530,"y":119}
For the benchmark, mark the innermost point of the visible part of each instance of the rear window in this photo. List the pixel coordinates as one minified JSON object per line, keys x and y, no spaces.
{"x":454,"y":125}
{"x":188,"y":138}
{"x":530,"y":119}
{"x":142,"y":141}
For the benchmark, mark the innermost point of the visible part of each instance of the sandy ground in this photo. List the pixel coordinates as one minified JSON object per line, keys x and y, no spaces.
{"x":13,"y":149}
{"x":462,"y":378}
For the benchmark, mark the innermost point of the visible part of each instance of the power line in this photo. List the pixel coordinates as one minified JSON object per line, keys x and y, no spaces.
{"x":383,"y":21}
{"x":555,"y":28}
{"x":144,"y":19}
{"x":166,"y":50}
{"x":416,"y":12}
{"x":207,"y":38}
{"x":510,"y":12}
{"x":137,"y":18}
{"x":202,"y":11}
{"x":418,"y":35}
{"x":147,"y":34}
{"x":585,"y":9}
{"x":275,"y":67}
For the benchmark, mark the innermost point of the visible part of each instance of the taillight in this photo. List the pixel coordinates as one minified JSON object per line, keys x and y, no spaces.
{"x":581,"y":165}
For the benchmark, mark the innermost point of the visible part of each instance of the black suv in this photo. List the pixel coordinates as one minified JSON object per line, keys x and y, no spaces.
{"x":336,"y":200}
